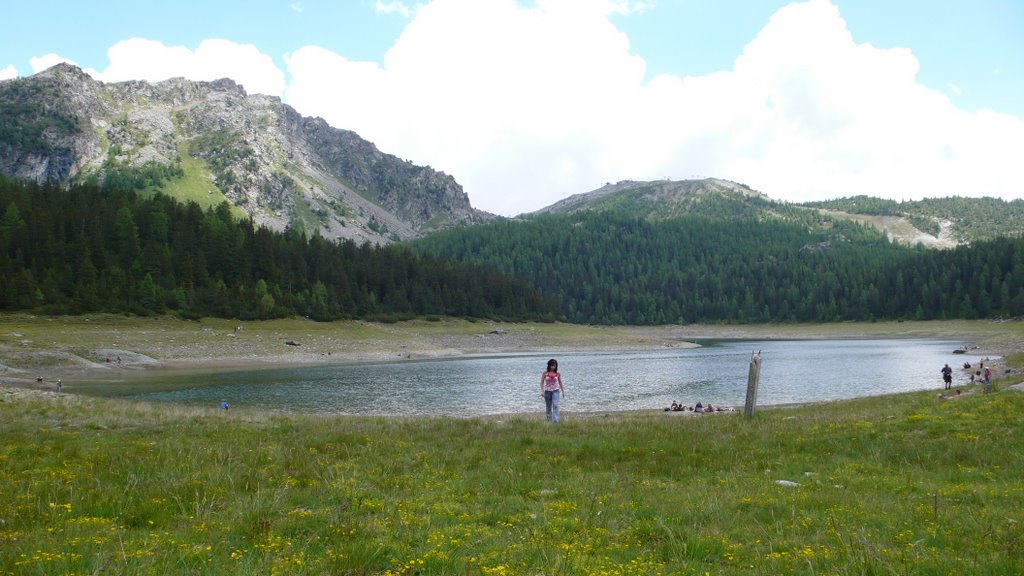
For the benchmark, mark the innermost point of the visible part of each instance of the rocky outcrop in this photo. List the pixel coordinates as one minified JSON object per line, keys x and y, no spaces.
{"x":45,"y":134}
{"x":279,"y":167}
{"x":414,"y":193}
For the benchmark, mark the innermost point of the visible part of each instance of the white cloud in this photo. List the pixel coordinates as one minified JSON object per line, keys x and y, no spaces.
{"x":141,"y":59}
{"x":840,"y":118}
{"x":297,"y":7}
{"x":504,"y":98}
{"x":524,"y":105}
{"x":630,"y":6}
{"x":393,"y":7}
{"x":8,"y":72}
{"x":40,"y":63}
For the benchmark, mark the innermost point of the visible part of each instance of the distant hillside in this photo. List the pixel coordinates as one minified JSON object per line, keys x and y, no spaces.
{"x":937,"y":223}
{"x":664,"y":199}
{"x":717,"y":251}
{"x":956,"y":220}
{"x":209,"y":142}
{"x":609,"y":268}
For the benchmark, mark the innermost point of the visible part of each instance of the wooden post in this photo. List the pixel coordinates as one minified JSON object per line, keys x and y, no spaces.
{"x":752,"y":379}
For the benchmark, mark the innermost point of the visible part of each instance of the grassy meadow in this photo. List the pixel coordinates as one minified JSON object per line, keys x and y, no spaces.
{"x":906,"y":484}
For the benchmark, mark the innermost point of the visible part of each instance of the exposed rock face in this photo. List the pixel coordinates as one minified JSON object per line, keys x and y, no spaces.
{"x":44,"y":129}
{"x":281,"y":168}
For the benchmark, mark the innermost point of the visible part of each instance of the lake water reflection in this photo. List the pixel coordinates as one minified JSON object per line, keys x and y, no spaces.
{"x":792,"y":371}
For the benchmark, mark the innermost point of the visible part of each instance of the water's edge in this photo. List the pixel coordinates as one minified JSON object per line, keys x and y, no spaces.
{"x":793,"y":371}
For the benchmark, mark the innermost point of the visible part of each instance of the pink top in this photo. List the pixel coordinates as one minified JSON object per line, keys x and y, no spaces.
{"x":551,"y":381}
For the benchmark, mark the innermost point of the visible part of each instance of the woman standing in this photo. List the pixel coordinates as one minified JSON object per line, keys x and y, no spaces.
{"x":551,"y":389}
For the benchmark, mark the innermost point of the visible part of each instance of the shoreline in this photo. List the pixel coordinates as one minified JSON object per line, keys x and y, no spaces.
{"x":121,"y":349}
{"x":18,"y":392}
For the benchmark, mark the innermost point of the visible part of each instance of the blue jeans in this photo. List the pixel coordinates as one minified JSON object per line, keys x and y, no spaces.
{"x":551,"y":404}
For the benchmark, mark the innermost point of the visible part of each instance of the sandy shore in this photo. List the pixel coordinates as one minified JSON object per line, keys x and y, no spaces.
{"x":103,"y":347}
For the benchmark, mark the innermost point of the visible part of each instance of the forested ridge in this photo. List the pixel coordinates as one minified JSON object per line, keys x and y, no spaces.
{"x":971,"y":219}
{"x":107,"y":248}
{"x":607,"y":268}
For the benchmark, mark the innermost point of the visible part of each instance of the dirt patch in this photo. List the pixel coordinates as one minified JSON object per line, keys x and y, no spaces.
{"x":901,"y":230}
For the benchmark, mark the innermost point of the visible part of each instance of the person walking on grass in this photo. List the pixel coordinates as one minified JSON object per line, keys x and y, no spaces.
{"x":552,"y":390}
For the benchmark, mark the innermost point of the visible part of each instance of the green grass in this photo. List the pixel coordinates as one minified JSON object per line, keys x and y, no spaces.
{"x":196,"y":185}
{"x":435,"y":223}
{"x":303,"y":211}
{"x":904,"y":484}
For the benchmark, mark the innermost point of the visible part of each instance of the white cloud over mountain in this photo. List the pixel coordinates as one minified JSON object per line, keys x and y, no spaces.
{"x":40,"y":63}
{"x":142,"y":59}
{"x":524,"y":105}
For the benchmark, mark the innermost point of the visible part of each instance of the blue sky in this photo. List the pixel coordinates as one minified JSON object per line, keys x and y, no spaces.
{"x":528,"y":102}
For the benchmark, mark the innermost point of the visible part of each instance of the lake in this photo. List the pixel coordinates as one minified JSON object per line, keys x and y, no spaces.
{"x":792,"y":371}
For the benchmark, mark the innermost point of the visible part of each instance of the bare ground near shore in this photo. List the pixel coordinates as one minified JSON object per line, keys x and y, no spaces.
{"x":104,"y":346}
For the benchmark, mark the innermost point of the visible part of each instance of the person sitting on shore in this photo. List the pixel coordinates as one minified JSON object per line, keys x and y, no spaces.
{"x":673,"y":408}
{"x":698,"y":407}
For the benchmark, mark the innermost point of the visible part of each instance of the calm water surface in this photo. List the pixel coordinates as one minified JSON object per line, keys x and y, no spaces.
{"x":792,"y":371}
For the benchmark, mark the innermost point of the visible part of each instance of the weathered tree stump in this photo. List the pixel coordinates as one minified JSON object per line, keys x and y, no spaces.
{"x":753,"y":377}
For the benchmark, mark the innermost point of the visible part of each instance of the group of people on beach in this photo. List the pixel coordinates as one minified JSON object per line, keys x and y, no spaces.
{"x":698,"y":408}
{"x":980,"y":375}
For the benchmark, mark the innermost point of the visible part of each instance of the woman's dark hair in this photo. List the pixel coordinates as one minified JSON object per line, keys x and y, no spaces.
{"x":554,"y":363}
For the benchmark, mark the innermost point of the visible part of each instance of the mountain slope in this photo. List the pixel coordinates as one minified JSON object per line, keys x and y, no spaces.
{"x":211,"y":141}
{"x":953,"y":220}
{"x":606,"y":268}
{"x":717,"y":251}
{"x":935,"y":223}
{"x":663,"y":199}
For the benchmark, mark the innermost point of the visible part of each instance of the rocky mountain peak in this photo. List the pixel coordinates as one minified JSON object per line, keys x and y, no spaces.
{"x":652,"y":199}
{"x":271,"y":163}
